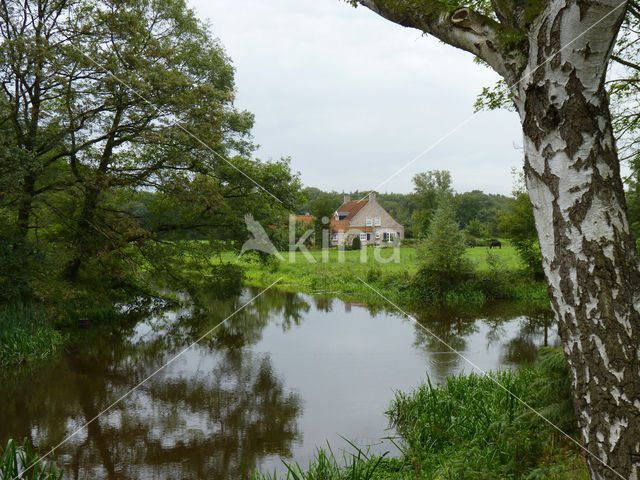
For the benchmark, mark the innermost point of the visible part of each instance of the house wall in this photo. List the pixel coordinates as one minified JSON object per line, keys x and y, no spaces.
{"x":387,"y":223}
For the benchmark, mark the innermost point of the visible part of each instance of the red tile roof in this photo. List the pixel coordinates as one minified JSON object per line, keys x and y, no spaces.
{"x":352,"y":208}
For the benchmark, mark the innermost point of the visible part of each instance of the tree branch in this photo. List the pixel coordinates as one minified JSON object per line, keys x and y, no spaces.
{"x":625,"y":62}
{"x":460,"y":27}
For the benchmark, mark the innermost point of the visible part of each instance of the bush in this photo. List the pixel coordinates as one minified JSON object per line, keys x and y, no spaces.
{"x":444,"y":264}
{"x":445,"y":249}
{"x":374,"y":274}
{"x":356,"y":244}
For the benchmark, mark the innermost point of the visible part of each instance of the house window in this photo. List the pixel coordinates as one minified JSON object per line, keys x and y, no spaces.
{"x":334,"y":237}
{"x":369,"y":222}
{"x":378,"y":235}
{"x":392,"y":236}
{"x":377,"y":221}
{"x":363,"y":236}
{"x":385,"y":236}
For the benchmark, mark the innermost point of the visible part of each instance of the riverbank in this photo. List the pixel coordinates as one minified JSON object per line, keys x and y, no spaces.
{"x":27,"y":335}
{"x":363,"y":275}
{"x":470,"y":428}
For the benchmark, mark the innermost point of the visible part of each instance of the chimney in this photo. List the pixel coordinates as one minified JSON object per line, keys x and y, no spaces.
{"x":347,"y":198}
{"x":372,"y":196}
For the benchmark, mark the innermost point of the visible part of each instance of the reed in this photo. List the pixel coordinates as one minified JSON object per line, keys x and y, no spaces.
{"x":356,"y":465}
{"x":471,"y":428}
{"x":26,"y":335}
{"x":22,"y":461}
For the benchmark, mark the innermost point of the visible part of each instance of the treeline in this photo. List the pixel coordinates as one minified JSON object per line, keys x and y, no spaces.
{"x":118,"y":135}
{"x":476,"y":210}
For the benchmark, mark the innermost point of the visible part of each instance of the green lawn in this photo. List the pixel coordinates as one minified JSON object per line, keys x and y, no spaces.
{"x":339,"y":272}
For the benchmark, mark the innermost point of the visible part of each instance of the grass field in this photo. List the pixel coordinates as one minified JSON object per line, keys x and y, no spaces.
{"x":340,"y":273}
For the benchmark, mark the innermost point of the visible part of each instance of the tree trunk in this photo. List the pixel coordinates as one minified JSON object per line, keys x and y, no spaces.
{"x":25,"y":207}
{"x":554,"y":54}
{"x":93,"y":188}
{"x":590,"y":260}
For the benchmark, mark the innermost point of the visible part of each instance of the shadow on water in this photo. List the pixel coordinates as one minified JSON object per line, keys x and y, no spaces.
{"x":257,"y":390}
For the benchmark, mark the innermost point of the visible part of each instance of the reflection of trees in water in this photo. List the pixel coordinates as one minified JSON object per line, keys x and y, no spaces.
{"x":323,"y":303}
{"x":213,"y":414}
{"x":535,"y":325}
{"x":451,"y":327}
{"x":535,"y":330}
{"x":454,"y":327}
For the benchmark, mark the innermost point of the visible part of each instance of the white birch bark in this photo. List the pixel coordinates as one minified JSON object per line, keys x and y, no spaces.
{"x":572,"y":172}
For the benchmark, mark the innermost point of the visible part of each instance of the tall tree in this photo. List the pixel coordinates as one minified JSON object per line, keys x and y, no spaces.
{"x":106,"y":100}
{"x":429,"y":188}
{"x":553,"y":56}
{"x":323,"y":210}
{"x":33,"y":73}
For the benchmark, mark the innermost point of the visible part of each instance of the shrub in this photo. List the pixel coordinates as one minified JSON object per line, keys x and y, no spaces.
{"x":445,"y":249}
{"x":374,"y":274}
{"x":444,"y":264}
{"x":356,"y":244}
{"x":519,"y":225}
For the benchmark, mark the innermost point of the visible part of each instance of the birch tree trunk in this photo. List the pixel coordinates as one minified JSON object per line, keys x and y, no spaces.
{"x":590,"y":260}
{"x":554,"y":58}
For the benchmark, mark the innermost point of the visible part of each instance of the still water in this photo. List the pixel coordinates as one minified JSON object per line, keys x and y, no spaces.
{"x":287,"y":374}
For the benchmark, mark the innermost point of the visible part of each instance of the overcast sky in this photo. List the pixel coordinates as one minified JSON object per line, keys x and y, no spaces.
{"x":352,"y":98}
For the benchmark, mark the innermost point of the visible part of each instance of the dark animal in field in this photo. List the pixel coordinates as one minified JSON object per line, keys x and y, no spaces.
{"x":469,"y":243}
{"x":495,"y":243}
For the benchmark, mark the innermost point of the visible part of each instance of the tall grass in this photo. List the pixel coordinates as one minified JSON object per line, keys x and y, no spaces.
{"x":26,"y":334}
{"x":469,"y":428}
{"x":24,"y":462}
{"x":358,"y":465}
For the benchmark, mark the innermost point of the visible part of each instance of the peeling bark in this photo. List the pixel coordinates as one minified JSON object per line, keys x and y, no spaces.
{"x":590,"y":261}
{"x":573,"y":178}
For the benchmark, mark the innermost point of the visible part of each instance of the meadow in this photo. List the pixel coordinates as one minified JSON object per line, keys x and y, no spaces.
{"x":343,"y":273}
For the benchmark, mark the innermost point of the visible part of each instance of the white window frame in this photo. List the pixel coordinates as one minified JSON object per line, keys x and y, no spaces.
{"x":377,"y":235}
{"x":377,"y":222}
{"x":363,"y":236}
{"x":368,"y":222}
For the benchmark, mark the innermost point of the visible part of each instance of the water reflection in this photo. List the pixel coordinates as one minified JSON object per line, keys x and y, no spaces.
{"x":213,"y":413}
{"x":275,"y":380}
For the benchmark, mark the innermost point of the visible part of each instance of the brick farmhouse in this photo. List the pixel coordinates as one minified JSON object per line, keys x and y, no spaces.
{"x":364,"y":218}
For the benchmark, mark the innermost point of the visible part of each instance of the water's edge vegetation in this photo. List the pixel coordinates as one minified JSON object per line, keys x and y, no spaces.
{"x":470,"y":428}
{"x":465,"y":428}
